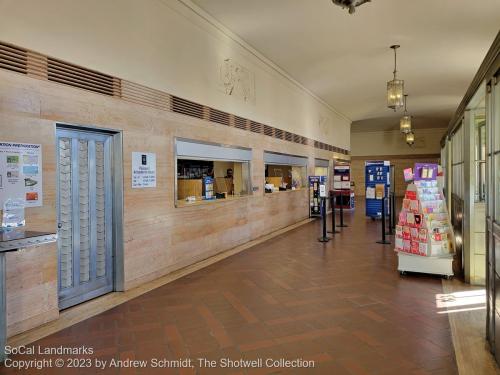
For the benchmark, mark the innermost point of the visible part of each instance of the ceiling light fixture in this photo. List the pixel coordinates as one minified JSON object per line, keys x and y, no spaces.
{"x":350,"y":4}
{"x":395,"y":88}
{"x":405,"y":121}
{"x":410,"y":138}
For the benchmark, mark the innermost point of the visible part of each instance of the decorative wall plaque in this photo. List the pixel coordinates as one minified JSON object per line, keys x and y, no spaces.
{"x":237,"y":81}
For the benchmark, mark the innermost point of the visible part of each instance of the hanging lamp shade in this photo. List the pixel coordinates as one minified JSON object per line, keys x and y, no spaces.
{"x":410,"y":138}
{"x":405,"y":121}
{"x":395,"y":88}
{"x":405,"y":124}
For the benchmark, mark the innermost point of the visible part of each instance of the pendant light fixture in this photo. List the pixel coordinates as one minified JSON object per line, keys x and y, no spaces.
{"x":395,"y":88}
{"x":405,"y":121}
{"x":410,"y":138}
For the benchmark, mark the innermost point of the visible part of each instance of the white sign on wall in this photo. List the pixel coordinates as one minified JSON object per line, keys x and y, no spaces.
{"x":143,"y":170}
{"x":322,"y":191}
{"x":21,"y":173}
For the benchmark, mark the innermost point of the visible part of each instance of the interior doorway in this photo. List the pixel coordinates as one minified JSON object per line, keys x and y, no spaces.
{"x":88,"y":213}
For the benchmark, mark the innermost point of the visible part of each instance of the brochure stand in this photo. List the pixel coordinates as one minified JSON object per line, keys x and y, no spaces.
{"x":208,"y":188}
{"x":315,"y":183}
{"x":424,"y":233}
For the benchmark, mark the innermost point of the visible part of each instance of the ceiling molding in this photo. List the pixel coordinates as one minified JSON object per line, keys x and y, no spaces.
{"x":391,"y":131}
{"x":234,"y":37}
{"x":345,"y":60}
{"x":401,"y":156}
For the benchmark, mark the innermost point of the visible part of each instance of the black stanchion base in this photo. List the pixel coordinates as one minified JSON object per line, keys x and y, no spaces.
{"x":331,"y":231}
{"x":324,"y":239}
{"x":384,"y":242}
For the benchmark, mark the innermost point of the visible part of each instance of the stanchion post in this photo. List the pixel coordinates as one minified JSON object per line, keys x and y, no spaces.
{"x":342,"y":225}
{"x":383,"y":241}
{"x":332,"y":203}
{"x":393,"y":210}
{"x":390,"y":232}
{"x":324,"y":238}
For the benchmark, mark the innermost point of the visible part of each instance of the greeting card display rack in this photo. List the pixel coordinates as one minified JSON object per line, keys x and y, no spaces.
{"x":424,"y":232}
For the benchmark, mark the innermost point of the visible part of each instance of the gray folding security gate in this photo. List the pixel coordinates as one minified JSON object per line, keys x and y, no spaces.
{"x":85,"y":215}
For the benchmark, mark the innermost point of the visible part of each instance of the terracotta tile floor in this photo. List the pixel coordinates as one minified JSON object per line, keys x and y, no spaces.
{"x":341,"y":304}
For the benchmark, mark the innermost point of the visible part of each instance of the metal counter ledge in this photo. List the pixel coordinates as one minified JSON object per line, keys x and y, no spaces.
{"x":13,"y":240}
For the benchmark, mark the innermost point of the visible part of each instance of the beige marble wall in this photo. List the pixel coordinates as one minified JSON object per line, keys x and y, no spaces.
{"x":158,"y":237}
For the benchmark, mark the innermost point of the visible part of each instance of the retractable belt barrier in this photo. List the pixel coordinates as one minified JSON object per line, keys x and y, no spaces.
{"x":383,"y":241}
{"x":324,"y":237}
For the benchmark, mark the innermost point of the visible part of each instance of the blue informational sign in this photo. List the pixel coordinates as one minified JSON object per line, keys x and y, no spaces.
{"x":376,"y":173}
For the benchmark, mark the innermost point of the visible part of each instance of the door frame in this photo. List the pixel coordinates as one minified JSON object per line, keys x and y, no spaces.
{"x":116,"y":167}
{"x":492,"y":225}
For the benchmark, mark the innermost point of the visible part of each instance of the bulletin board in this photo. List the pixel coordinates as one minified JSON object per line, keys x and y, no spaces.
{"x":21,"y":173}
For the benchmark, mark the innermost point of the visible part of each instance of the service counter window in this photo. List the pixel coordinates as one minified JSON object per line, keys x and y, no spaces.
{"x":208,"y":173}
{"x":284,"y":172}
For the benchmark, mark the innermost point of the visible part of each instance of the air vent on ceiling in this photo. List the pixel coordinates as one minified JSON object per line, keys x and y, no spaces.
{"x":187,"y":107}
{"x":268,"y":130}
{"x":240,"y":123}
{"x":82,"y":78}
{"x":139,"y":94}
{"x":40,"y":66}
{"x":219,"y":117}
{"x":256,"y":127}
{"x":278,"y":133}
{"x":13,"y":58}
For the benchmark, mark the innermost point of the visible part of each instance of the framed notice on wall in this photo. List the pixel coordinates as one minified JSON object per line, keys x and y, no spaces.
{"x":143,"y":170}
{"x":21,"y":173}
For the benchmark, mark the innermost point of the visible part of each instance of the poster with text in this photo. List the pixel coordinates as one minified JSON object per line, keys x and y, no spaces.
{"x":143,"y":170}
{"x":21,"y":173}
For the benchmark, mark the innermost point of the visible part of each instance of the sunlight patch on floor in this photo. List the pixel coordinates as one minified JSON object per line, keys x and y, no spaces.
{"x":461,"y":301}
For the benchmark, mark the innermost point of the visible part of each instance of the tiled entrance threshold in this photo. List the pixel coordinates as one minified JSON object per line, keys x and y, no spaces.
{"x":341,"y":305}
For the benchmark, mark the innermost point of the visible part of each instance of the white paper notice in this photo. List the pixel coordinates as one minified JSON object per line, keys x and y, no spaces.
{"x":370,"y":193}
{"x":322,"y":191}
{"x":21,"y":173}
{"x":143,"y":170}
